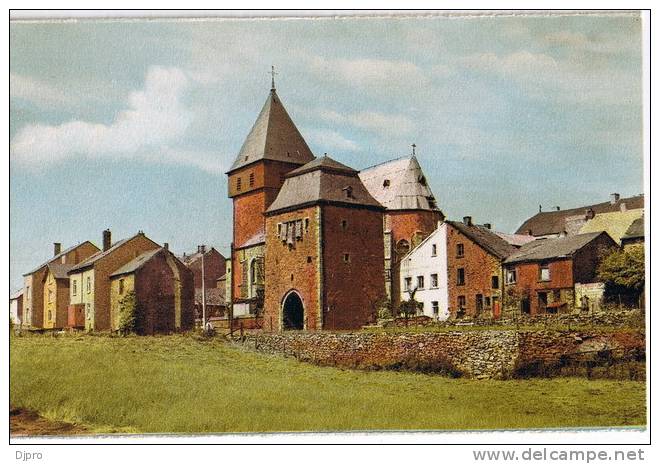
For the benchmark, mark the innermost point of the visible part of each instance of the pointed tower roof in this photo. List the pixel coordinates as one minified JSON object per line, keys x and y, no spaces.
{"x":399,"y":184}
{"x":322,"y":180}
{"x":273,"y":136}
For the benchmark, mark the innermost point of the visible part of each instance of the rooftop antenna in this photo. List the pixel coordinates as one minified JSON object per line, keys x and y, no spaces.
{"x":413,"y":147}
{"x":272,"y":77}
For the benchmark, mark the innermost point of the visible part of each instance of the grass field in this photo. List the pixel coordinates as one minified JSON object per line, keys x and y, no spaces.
{"x":185,"y":385}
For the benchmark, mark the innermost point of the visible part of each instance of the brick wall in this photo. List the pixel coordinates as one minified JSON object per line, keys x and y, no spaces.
{"x":528,"y":282}
{"x":479,"y":268}
{"x":351,"y":289}
{"x":214,"y":268}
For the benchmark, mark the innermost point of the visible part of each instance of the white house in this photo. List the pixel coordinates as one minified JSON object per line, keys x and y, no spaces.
{"x":425,"y":268}
{"x":16,"y":307}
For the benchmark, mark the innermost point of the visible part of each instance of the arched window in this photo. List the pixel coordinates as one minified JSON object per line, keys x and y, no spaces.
{"x":402,"y":247}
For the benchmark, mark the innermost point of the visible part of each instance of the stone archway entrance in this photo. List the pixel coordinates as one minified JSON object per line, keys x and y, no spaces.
{"x":293,"y":313}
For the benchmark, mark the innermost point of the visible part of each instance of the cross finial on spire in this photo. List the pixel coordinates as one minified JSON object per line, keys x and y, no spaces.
{"x":272,"y":77}
{"x":413,"y":147}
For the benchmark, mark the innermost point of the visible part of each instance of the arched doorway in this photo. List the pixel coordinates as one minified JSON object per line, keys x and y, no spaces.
{"x":293,"y":313}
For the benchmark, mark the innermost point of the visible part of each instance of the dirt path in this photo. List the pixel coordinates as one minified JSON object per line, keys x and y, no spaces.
{"x":26,"y":423}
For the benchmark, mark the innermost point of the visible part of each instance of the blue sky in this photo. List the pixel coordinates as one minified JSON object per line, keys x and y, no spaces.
{"x":131,"y":125}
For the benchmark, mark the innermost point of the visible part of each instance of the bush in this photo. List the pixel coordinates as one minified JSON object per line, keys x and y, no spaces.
{"x":129,"y":320}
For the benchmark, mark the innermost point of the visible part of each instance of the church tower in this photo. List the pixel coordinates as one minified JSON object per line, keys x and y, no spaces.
{"x":273,"y":148}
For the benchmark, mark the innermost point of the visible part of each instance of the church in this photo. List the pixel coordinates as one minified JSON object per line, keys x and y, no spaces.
{"x":315,"y":243}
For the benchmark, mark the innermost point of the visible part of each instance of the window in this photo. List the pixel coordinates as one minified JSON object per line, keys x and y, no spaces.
{"x":436,"y":308}
{"x":74,"y":289}
{"x":487,"y":302}
{"x":479,"y":302}
{"x":434,"y":280}
{"x":511,"y":276}
{"x":238,"y":184}
{"x":420,"y":309}
{"x":434,"y":250}
{"x":50,"y":295}
{"x":408,"y":281}
{"x":544,"y":273}
{"x":306,"y":225}
{"x":420,"y":282}
{"x":386,"y":183}
{"x":121,"y":286}
{"x":422,"y":180}
{"x":50,"y":315}
{"x":461,"y":302}
{"x":402,"y":247}
{"x":348,"y":190}
{"x":460,"y":276}
{"x":344,"y":224}
{"x":347,"y":258}
{"x":89,"y":284}
{"x":460,"y":250}
{"x":27,"y":291}
{"x":495,"y":282}
{"x":251,"y":181}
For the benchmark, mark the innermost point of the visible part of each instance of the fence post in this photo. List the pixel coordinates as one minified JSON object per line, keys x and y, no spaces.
{"x":241,"y":328}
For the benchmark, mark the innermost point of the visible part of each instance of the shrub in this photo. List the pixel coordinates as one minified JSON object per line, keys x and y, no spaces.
{"x":129,"y":314}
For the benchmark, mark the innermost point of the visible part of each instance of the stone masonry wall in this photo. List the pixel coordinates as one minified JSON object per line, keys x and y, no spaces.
{"x":495,"y":354}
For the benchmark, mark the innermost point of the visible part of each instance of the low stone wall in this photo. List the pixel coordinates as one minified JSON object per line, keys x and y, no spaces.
{"x":497,"y":354}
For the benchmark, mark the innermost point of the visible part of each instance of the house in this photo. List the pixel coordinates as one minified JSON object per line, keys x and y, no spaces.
{"x":273,"y":148}
{"x":411,"y":214}
{"x":162,"y":288}
{"x":541,"y":277}
{"x":89,"y":298}
{"x":474,"y":269}
{"x":215,"y":302}
{"x":472,"y":255}
{"x":33,"y":289}
{"x":16,"y":307}
{"x":56,"y":295}
{"x":425,"y":269}
{"x":570,"y":221}
{"x":634,"y":236}
{"x":324,"y":251}
{"x":214,"y":266}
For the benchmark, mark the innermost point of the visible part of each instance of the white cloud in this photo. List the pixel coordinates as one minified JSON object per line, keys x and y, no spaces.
{"x":328,"y":140}
{"x":37,"y":91}
{"x":374,"y":121}
{"x":154,"y":120}
{"x":369,"y":72}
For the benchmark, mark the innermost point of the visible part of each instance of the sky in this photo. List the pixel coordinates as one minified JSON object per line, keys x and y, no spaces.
{"x":131,"y":125}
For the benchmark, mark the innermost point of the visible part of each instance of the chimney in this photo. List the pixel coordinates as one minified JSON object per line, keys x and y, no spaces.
{"x":166,"y":246}
{"x":529,"y":232}
{"x":589,"y":214}
{"x":199,"y":248}
{"x":562,"y":234}
{"x":107,"y":239}
{"x":557,"y":208}
{"x":614,"y":197}
{"x":467,"y":220}
{"x":487,"y":225}
{"x":623,"y":207}
{"x":539,"y":208}
{"x":57,"y":248}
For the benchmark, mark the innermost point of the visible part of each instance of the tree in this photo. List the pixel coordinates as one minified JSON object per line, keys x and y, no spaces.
{"x":409,"y":307}
{"x":623,"y":272}
{"x":129,"y":321}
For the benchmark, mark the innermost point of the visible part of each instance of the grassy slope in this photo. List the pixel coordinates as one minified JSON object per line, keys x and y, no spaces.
{"x":178,"y":384}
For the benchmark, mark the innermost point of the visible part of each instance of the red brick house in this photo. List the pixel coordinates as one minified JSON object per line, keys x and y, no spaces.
{"x":163,"y":289}
{"x":474,"y":269}
{"x":324,"y":251}
{"x":541,"y":276}
{"x":214,"y":266}
{"x":411,"y":212}
{"x":273,"y":148}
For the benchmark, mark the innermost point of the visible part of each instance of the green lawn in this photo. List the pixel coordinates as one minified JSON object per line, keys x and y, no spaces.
{"x":180,"y":384}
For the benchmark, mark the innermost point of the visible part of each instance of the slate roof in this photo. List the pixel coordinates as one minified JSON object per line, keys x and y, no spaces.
{"x":214,"y":296}
{"x":58,"y":256}
{"x":136,"y":263}
{"x":554,"y":222}
{"x":636,"y":229}
{"x":615,"y":224}
{"x":549,"y":248}
{"x":407,"y":189}
{"x":59,"y":270}
{"x":517,"y":240}
{"x":257,"y":239}
{"x":273,"y":136}
{"x":322,"y":180}
{"x":89,"y":262}
{"x":485,"y":238}
{"x":191,"y":258}
{"x":16,"y":295}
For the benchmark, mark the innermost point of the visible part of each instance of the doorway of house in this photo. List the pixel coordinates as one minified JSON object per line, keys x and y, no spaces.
{"x":543,"y":302}
{"x":293,"y":312}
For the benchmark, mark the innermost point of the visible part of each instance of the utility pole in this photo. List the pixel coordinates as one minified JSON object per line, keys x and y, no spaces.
{"x":202,"y":249}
